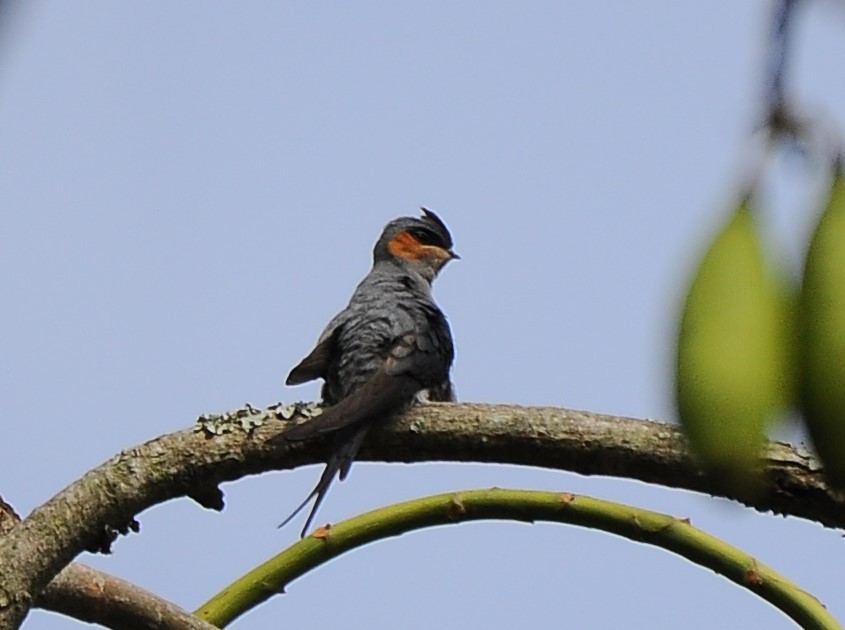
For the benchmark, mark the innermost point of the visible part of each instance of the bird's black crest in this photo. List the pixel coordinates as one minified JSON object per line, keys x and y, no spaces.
{"x":434,"y":227}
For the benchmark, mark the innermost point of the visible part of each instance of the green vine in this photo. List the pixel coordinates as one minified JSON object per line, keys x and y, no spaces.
{"x":672,"y":534}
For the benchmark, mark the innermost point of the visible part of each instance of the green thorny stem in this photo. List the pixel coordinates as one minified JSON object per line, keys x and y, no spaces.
{"x":670,"y":533}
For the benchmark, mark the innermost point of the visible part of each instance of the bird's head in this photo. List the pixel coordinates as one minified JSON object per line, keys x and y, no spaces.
{"x":424,"y":244}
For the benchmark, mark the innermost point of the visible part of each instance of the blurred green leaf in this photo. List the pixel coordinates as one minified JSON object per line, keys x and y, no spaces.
{"x":733,"y":361}
{"x":822,"y":334}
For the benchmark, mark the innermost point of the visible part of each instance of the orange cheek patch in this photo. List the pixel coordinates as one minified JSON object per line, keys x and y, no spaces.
{"x":404,"y":245}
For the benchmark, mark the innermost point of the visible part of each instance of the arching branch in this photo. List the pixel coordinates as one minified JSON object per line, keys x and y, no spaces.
{"x":193,"y":462}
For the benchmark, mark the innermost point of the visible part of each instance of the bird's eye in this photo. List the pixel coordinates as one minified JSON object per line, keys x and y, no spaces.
{"x":426,"y":237}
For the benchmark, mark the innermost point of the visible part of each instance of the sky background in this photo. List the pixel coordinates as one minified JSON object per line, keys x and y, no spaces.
{"x":191,"y":190}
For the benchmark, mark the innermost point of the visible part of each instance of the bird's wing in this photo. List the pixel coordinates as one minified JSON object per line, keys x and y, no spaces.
{"x":381,"y":394}
{"x":391,"y":387}
{"x":316,"y":364}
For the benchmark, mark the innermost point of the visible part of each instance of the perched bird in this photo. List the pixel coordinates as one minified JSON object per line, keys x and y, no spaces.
{"x":388,"y":347}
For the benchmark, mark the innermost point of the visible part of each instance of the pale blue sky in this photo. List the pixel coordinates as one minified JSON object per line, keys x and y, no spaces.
{"x":191,"y":189}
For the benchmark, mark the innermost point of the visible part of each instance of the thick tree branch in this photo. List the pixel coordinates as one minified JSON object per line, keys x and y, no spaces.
{"x":87,"y":594}
{"x":96,"y":597}
{"x":193,"y":462}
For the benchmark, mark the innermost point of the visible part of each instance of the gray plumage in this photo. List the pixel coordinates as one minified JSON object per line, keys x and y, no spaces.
{"x":389,"y":344}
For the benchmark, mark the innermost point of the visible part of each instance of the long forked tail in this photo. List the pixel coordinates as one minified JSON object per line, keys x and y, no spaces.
{"x":339,"y":462}
{"x":319,"y":491}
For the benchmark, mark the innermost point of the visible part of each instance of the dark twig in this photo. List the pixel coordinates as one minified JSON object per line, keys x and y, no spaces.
{"x":780,"y":119}
{"x":778,"y":48}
